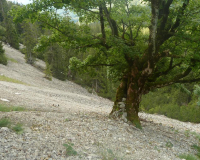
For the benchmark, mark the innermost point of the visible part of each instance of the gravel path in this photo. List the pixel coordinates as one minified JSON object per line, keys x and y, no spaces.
{"x":65,"y":113}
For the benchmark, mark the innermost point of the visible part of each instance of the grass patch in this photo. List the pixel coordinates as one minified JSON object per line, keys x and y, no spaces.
{"x":18,"y":128}
{"x":70,"y":150}
{"x":4,"y":122}
{"x":7,"y":79}
{"x":4,"y":108}
{"x":197,"y":148}
{"x":191,"y":156}
{"x":188,"y":157}
{"x":12,"y":60}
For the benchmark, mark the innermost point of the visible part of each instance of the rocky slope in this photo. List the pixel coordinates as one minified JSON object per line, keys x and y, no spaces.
{"x":64,"y":113}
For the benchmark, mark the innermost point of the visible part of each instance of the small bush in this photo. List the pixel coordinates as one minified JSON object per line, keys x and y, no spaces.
{"x":70,"y":150}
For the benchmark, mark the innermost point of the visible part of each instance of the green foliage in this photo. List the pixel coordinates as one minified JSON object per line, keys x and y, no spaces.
{"x":4,"y":122}
{"x":67,"y":120}
{"x":197,"y":92}
{"x":18,"y":128}
{"x":2,"y":31}
{"x":70,"y":150}
{"x":5,"y":108}
{"x":120,"y":47}
{"x":169,"y":144}
{"x":48,"y":72}
{"x":197,"y":148}
{"x":56,"y":62}
{"x":30,"y":36}
{"x":138,"y":125}
{"x":174,"y":102}
{"x":11,"y":35}
{"x":188,"y":157}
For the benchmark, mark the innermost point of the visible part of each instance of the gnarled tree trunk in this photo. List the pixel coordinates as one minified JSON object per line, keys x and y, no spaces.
{"x":128,"y":97}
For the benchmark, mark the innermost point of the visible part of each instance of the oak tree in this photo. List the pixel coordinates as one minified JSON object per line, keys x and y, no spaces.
{"x":146,"y":46}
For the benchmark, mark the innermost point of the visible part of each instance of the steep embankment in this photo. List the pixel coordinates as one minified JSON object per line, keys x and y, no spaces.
{"x":64,"y":113}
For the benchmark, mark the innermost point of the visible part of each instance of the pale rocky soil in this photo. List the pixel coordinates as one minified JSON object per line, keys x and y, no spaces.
{"x":63,"y":112}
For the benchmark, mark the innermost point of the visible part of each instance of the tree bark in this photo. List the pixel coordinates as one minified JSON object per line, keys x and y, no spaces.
{"x":128,"y":97}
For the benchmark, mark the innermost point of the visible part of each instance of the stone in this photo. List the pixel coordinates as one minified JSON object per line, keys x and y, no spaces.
{"x":4,"y":129}
{"x":123,"y":99}
{"x":128,"y":152}
{"x":121,"y":105}
{"x":125,"y":114}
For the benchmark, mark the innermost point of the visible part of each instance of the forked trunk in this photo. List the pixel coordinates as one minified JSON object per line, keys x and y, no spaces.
{"x":128,"y":98}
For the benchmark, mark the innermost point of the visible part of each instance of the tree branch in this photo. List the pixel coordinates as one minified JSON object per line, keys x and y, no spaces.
{"x":138,"y":29}
{"x":112,"y":23}
{"x":155,"y":76}
{"x":176,"y":79}
{"x":102,"y":23}
{"x":178,"y":20}
{"x":108,"y":65}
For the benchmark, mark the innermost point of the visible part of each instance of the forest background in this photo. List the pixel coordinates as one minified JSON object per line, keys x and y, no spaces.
{"x":178,"y":101}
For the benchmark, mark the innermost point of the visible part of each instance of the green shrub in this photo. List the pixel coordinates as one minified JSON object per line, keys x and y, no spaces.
{"x":4,"y":108}
{"x":18,"y":128}
{"x":4,"y":122}
{"x":188,"y":157}
{"x":176,"y":102}
{"x":182,"y":113}
{"x":197,"y":148}
{"x":70,"y":150}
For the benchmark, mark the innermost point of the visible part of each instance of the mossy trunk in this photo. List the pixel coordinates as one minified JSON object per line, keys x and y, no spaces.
{"x":128,"y":97}
{"x":121,"y":94}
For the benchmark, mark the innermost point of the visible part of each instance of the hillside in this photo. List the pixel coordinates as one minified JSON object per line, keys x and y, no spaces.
{"x":61,"y":112}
